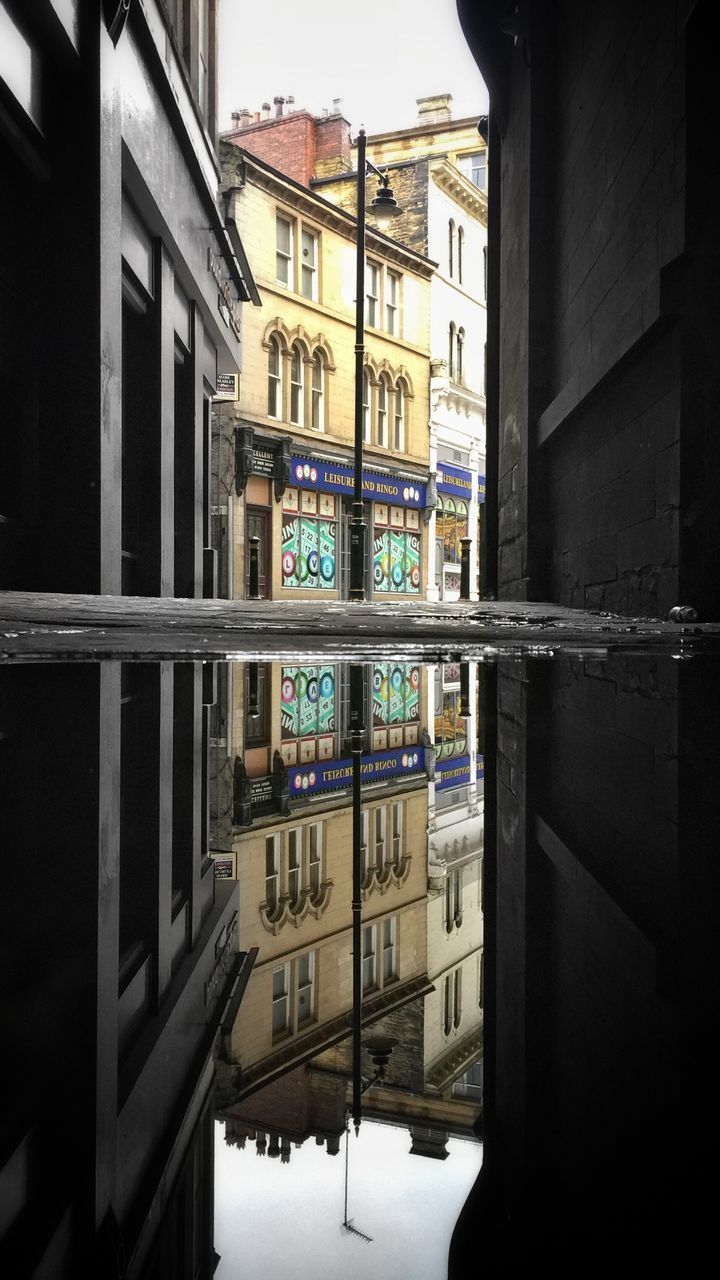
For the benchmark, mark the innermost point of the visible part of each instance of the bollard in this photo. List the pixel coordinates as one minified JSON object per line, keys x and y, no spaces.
{"x":465,"y":568}
{"x":254,"y":571}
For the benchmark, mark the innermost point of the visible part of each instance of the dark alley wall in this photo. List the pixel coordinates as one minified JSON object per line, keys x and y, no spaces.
{"x":607,"y":261}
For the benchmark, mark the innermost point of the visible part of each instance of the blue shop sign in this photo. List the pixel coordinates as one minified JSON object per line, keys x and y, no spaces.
{"x":454,"y":480}
{"x":480,"y":767}
{"x":453,"y":773}
{"x":457,"y":481}
{"x":336,"y":775}
{"x":377,"y":486}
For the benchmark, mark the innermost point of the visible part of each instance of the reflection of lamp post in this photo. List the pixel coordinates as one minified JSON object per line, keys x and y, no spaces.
{"x":384,"y":207}
{"x":379,"y":1046}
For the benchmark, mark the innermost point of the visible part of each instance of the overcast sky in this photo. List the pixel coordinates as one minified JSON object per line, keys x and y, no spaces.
{"x":285,"y":1222}
{"x":378,"y":56}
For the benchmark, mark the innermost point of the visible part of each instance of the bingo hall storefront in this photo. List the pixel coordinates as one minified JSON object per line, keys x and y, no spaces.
{"x":316,"y":505}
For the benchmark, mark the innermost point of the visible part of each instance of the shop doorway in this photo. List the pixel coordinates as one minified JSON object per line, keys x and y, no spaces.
{"x":257,"y":525}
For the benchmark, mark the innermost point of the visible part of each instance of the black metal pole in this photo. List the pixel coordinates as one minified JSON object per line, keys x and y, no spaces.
{"x":357,"y":727}
{"x":254,"y":575}
{"x":358,"y":528}
{"x":465,"y":544}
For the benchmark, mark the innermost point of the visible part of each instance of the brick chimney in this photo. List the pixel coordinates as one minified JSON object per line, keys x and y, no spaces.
{"x":332,"y":145}
{"x":278,"y":107}
{"x":435,"y":109}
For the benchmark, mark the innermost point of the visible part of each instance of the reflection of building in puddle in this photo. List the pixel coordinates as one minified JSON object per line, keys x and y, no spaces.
{"x":288,"y":1051}
{"x":292,"y":855}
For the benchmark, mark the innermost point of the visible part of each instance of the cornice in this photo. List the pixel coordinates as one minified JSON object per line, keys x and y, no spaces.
{"x":464,"y":192}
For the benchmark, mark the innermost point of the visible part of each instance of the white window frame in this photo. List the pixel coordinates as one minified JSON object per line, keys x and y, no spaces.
{"x":275,"y":380}
{"x":399,"y":418}
{"x":397,"y":810}
{"x":297,"y":386}
{"x":389,"y":950}
{"x":392,"y":303}
{"x":309,"y":270}
{"x":285,"y":255}
{"x":373,"y":277}
{"x":382,"y":412}
{"x":369,"y":958}
{"x":272,"y":847}
{"x":317,"y":412}
{"x":304,"y":990}
{"x":280,"y":1031}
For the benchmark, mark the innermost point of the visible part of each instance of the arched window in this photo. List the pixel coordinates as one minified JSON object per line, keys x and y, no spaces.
{"x":296,"y":386}
{"x":399,"y":420}
{"x":460,"y":241}
{"x":459,"y":355}
{"x":318,"y":392}
{"x":382,"y":414}
{"x":451,"y":237}
{"x":274,"y":378}
{"x":366,"y":420}
{"x":451,"y":352}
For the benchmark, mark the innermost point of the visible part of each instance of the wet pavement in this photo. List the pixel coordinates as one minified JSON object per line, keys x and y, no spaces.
{"x":50,"y":625}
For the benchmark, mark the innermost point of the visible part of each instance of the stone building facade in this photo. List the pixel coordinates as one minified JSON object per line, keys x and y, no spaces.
{"x":284,"y":449}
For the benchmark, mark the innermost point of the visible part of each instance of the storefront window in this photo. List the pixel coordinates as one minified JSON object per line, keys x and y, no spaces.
{"x":451,"y":524}
{"x":396,"y":550}
{"x":307,"y":714}
{"x":395,"y":704}
{"x":450,"y":726}
{"x":308,"y":539}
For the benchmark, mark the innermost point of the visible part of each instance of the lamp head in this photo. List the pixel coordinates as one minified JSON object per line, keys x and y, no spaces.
{"x":384,"y":206}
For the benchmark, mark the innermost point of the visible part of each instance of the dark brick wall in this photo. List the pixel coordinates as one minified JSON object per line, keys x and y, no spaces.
{"x":603,"y":438}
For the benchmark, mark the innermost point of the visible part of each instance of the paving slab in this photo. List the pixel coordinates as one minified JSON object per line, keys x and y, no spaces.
{"x":47,"y":626}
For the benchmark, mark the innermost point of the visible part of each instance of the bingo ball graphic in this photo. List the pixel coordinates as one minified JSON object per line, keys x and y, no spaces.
{"x":327,"y":685}
{"x":377,"y":681}
{"x":378,"y":574}
{"x":397,"y":679}
{"x":312,"y":779}
{"x":312,"y":689}
{"x":299,"y":472}
{"x":327,"y":568}
{"x":306,"y":471}
{"x":415,"y":757}
{"x":287,"y":689}
{"x":302,"y":568}
{"x":313,"y":561}
{"x":313,"y":474}
{"x":404,"y":761}
{"x":288,"y":564}
{"x":414,"y":678}
{"x":298,"y":782}
{"x":416,"y":495}
{"x":397,"y":574}
{"x":415,"y":576}
{"x":305,"y":782}
{"x":301,"y":684}
{"x":406,"y":493}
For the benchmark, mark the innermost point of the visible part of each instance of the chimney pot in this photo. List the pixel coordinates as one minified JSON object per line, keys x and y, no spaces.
{"x":266,"y":110}
{"x":278,"y":106}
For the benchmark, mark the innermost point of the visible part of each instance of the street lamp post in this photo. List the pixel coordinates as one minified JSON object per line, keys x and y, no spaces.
{"x":384,"y":207}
